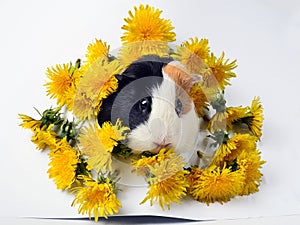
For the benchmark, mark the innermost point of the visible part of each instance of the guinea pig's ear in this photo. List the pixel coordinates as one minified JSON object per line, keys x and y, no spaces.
{"x":179,"y":74}
{"x":176,"y":72}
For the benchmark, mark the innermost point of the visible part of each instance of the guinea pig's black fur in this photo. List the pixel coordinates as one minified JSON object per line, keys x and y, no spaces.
{"x":132,"y":101}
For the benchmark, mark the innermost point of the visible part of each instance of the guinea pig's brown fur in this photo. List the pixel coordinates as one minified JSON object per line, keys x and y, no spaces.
{"x":183,"y":81}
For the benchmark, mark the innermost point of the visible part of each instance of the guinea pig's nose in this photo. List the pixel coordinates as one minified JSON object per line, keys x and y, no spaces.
{"x":162,"y":144}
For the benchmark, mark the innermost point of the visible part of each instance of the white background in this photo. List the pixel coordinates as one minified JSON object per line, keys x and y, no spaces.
{"x":262,"y":35}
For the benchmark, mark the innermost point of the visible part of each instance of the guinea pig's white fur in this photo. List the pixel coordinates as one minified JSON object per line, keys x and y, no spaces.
{"x":164,"y":127}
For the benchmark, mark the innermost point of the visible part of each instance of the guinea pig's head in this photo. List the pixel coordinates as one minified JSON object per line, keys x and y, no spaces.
{"x":152,"y":101}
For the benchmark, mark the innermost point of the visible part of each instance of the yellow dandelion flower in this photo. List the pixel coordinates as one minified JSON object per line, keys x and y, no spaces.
{"x":166,"y":168}
{"x":145,"y":34}
{"x":70,"y":96}
{"x":95,"y":78}
{"x":98,"y":143}
{"x":91,"y":145}
{"x":234,"y":114}
{"x":193,"y":54}
{"x":62,"y":79}
{"x":193,"y":176}
{"x":83,"y":106}
{"x":61,"y":144}
{"x":100,"y":162}
{"x":231,"y":148}
{"x":130,"y":53}
{"x":87,"y":107}
{"x":133,"y":51}
{"x":96,"y":50}
{"x":29,"y":122}
{"x":216,"y":184}
{"x":224,"y":150}
{"x":89,"y":140}
{"x":44,"y":138}
{"x":247,"y":119}
{"x":98,"y":83}
{"x":145,"y":24}
{"x":218,"y":122}
{"x":141,"y":166}
{"x":244,"y":142}
{"x":63,"y":164}
{"x":199,"y":98}
{"x":168,"y":190}
{"x":255,"y":124}
{"x":221,"y":71}
{"x":109,"y":87}
{"x":250,"y":163}
{"x":97,"y":199}
{"x":110,"y":134}
{"x":165,"y":175}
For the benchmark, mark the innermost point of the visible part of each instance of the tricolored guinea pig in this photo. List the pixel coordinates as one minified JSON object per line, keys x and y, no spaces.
{"x":152,"y":101}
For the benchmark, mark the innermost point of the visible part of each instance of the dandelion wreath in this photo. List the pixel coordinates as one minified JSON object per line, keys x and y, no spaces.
{"x":81,"y":152}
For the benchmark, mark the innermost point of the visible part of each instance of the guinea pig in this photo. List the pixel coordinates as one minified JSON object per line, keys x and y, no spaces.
{"x":152,"y":100}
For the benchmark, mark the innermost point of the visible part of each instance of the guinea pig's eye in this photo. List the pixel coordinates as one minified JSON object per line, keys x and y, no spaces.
{"x":145,"y":105}
{"x":178,"y":107}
